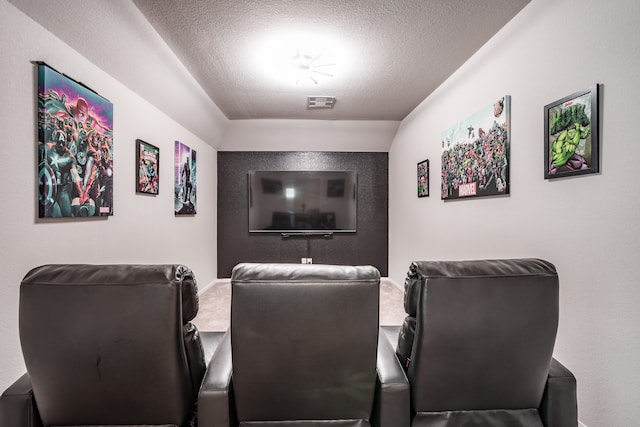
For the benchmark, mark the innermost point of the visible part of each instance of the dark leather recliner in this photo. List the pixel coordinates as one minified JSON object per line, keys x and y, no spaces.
{"x":108,"y":345}
{"x":477,"y":345}
{"x":303,"y":351}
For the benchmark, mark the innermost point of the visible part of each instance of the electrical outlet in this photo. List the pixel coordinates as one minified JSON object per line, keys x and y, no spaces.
{"x":309,"y":260}
{"x":303,"y":260}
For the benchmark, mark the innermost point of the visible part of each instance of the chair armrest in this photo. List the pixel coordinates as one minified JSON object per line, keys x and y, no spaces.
{"x":210,"y":342}
{"x":17,"y":405}
{"x":559,"y":406}
{"x":392,"y":400}
{"x":215,"y":400}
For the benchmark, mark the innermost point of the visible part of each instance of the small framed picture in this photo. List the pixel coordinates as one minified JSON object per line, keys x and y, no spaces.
{"x":423,"y":178}
{"x":571,"y":135}
{"x":147,"y":168}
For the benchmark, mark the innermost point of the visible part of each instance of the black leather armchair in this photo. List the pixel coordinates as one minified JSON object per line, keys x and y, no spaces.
{"x":303,"y":351}
{"x":108,"y":345}
{"x":477,"y":345}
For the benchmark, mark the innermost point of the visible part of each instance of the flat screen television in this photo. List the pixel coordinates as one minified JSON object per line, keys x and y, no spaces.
{"x":302,"y":201}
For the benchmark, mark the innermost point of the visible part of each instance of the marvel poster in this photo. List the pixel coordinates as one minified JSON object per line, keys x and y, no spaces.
{"x":571,"y":135}
{"x":75,"y":148}
{"x":185,"y":180}
{"x":475,"y":153}
{"x":148,"y":168}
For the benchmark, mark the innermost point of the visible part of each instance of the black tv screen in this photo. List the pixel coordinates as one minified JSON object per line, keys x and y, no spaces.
{"x":302,"y":201}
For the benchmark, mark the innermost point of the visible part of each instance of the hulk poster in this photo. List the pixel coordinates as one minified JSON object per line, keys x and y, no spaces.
{"x":571,"y":135}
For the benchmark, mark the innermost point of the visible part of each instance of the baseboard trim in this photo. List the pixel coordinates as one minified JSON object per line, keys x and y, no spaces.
{"x":203,"y":289}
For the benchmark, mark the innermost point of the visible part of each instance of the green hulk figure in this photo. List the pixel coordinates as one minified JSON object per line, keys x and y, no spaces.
{"x":563,"y":149}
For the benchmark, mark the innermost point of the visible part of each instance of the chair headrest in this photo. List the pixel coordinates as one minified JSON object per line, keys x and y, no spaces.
{"x":121,"y":274}
{"x":302,"y":272}
{"x":421,"y":270}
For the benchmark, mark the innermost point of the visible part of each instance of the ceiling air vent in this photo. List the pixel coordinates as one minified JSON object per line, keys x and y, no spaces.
{"x":314,"y":102}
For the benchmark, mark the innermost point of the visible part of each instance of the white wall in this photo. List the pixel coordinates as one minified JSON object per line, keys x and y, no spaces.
{"x":587,"y":226}
{"x":309,"y":135}
{"x":143,"y":229}
{"x":115,"y":36}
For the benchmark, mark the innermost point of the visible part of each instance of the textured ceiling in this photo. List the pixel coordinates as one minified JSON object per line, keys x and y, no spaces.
{"x":397,"y":51}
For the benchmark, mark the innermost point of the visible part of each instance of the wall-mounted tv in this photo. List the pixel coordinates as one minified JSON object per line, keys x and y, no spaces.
{"x":302,"y":201}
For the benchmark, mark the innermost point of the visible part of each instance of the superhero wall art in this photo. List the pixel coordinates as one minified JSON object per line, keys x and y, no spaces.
{"x":75,"y":148}
{"x":571,"y":135}
{"x":184,"y":180}
{"x":147,"y":168}
{"x":475,"y":153}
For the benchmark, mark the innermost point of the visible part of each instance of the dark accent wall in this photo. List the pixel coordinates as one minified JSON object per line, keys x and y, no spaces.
{"x":369,"y":245}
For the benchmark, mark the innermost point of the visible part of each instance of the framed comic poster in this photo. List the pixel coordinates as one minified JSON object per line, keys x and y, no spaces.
{"x":571,"y":135}
{"x":185,"y":180}
{"x":475,"y":153}
{"x":423,"y":178}
{"x":75,"y":148}
{"x":147,"y":168}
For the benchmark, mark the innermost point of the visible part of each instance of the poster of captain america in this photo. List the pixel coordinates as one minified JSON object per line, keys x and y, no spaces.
{"x":75,"y":148}
{"x":184,"y":180}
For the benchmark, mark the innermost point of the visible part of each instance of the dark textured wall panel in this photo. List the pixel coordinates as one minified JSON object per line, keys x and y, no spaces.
{"x":369,"y":245}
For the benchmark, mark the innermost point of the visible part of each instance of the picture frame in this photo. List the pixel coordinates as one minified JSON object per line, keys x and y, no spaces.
{"x":75,"y":148}
{"x":571,"y":135}
{"x":423,"y":178}
{"x":185,"y":172}
{"x":475,"y":157}
{"x":147,"y":168}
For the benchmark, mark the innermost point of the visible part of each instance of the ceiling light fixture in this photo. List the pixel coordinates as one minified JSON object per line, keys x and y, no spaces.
{"x":311,"y":67}
{"x":299,"y":59}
